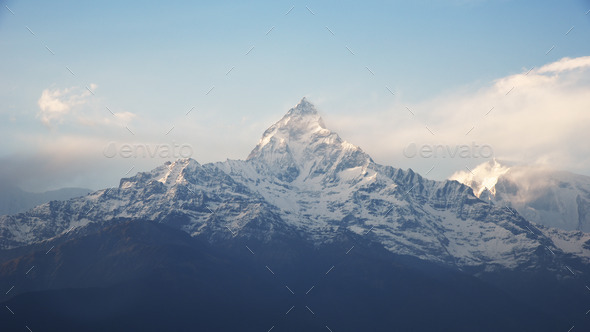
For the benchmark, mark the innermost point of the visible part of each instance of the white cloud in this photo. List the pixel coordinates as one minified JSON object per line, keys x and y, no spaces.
{"x":125,"y":116}
{"x":79,"y":105}
{"x":539,"y":117}
{"x":566,"y":64}
{"x":57,"y":103}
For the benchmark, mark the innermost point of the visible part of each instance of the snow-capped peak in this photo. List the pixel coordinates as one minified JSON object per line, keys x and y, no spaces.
{"x":300,"y":144}
{"x":297,"y":126}
{"x":169,"y":174}
{"x":303,"y":108}
{"x":174,"y":171}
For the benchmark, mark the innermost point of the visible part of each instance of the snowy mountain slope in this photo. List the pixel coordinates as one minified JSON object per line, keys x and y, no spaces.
{"x":332,"y":184}
{"x":547,"y":197}
{"x":303,"y":180}
{"x":182,"y":190}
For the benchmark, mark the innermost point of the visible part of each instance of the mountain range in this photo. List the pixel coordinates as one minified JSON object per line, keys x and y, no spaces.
{"x":308,"y":220}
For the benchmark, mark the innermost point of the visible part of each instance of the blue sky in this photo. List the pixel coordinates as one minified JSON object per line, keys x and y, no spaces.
{"x":150,"y":63}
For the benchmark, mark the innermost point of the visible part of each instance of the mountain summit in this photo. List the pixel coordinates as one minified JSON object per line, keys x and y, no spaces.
{"x":300,"y":126}
{"x":303,"y":108}
{"x":300,"y":145}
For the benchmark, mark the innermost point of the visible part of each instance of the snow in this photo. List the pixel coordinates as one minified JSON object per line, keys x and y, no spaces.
{"x":302,"y":176}
{"x":573,"y":242}
{"x":173,"y":172}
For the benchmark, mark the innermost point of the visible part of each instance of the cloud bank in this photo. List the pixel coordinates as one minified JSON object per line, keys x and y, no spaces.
{"x":538,"y":116}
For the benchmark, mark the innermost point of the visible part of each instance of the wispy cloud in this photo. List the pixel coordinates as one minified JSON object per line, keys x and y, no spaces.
{"x":79,"y":106}
{"x":537,"y":116}
{"x":566,"y":64}
{"x":57,"y":103}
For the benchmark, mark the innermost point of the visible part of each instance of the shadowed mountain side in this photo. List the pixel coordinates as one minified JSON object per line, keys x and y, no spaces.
{"x":146,"y":276}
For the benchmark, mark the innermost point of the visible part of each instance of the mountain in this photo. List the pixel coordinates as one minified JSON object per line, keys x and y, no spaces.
{"x":306,"y":212}
{"x":303,"y":180}
{"x":14,"y":200}
{"x":548,"y":197}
